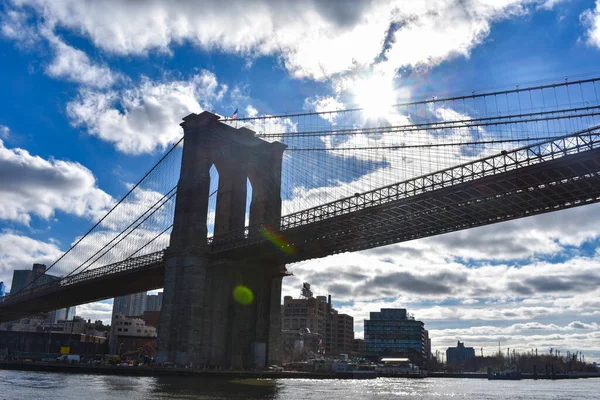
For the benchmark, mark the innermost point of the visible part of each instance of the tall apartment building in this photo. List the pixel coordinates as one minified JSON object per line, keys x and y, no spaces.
{"x":35,"y":277}
{"x":319,"y":317}
{"x":130,"y":305}
{"x":137,"y":304}
{"x":392,"y":332}
{"x":64,"y":314}
{"x":154,"y":302}
{"x":342,"y":327}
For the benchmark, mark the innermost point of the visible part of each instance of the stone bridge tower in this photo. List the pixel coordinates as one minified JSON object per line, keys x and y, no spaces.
{"x":200,"y":321}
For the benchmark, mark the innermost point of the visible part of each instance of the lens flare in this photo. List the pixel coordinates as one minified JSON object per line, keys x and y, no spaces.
{"x":277,"y":240}
{"x":243,"y":295}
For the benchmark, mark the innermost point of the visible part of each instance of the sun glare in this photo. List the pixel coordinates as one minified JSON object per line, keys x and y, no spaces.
{"x":375,"y":95}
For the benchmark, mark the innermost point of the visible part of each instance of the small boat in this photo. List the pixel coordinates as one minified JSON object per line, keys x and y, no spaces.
{"x":399,"y":367}
{"x":348,"y":370}
{"x":506,"y":375}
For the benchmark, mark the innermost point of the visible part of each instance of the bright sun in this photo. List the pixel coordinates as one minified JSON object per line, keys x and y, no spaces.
{"x":375,"y":95}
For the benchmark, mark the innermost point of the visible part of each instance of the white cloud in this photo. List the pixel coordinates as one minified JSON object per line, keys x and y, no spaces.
{"x":428,"y":272}
{"x":68,"y":63}
{"x":591,"y":21}
{"x":96,"y":311}
{"x":31,"y":185}
{"x":15,"y":25}
{"x":4,"y":131}
{"x":549,"y":4}
{"x":323,"y":104}
{"x":315,"y":39}
{"x":74,"y":65}
{"x":144,"y":118}
{"x":268,"y":125}
{"x":251,"y":111}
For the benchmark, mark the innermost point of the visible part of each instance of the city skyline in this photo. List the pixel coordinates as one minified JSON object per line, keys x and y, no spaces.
{"x":95,"y":93}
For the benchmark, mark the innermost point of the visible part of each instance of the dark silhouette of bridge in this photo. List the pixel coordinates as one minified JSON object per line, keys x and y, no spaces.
{"x":200,"y":320}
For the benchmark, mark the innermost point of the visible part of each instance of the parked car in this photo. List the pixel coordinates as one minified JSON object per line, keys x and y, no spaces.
{"x":69,"y":358}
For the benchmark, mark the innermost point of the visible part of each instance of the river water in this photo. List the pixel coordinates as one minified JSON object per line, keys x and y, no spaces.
{"x":50,"y":386}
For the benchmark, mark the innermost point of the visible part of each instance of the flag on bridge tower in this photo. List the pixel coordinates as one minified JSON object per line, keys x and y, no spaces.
{"x":235,"y":114}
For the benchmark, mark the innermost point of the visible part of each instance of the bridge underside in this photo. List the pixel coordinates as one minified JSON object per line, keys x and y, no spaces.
{"x":103,"y":286}
{"x":562,"y":183}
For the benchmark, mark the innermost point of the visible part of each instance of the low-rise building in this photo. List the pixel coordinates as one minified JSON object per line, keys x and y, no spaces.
{"x":48,"y":344}
{"x":28,"y":324}
{"x":152,"y":318}
{"x":130,"y":333}
{"x":80,"y":325}
{"x":298,"y":345}
{"x":316,"y":314}
{"x":459,"y":354}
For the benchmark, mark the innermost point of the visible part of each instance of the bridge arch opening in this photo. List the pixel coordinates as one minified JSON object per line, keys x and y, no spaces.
{"x":248,"y":201}
{"x":212,"y":200}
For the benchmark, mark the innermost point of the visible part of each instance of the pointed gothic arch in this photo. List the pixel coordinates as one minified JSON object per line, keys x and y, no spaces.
{"x":212,"y":199}
{"x":248,"y":201}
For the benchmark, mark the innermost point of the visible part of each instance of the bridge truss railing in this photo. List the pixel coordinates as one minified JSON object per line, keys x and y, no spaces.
{"x":115,"y":268}
{"x":503,"y":162}
{"x":574,"y":143}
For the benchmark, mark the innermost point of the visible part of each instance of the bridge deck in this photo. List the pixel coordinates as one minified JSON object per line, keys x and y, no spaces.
{"x":129,"y":276}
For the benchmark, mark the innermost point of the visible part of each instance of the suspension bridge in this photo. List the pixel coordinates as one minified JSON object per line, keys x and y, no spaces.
{"x":234,"y":201}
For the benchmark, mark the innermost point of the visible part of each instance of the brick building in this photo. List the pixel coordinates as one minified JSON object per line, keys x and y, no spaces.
{"x":318,"y":316}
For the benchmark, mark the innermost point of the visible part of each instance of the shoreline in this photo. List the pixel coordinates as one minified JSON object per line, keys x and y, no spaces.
{"x":201,"y":373}
{"x":157,"y":371}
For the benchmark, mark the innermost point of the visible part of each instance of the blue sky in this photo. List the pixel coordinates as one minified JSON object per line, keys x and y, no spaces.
{"x":93,"y":93}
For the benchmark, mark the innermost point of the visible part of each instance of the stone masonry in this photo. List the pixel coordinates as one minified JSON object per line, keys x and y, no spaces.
{"x":200,"y":322}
